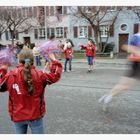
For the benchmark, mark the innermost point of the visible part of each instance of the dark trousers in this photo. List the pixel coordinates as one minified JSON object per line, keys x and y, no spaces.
{"x":66,"y":61}
{"x":38,"y":62}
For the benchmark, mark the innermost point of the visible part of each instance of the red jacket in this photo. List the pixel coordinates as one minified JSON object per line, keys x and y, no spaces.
{"x":90,"y":50}
{"x":22,"y":106}
{"x":68,"y":53}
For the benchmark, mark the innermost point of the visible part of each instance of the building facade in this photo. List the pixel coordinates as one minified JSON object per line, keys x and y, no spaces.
{"x":58,"y":21}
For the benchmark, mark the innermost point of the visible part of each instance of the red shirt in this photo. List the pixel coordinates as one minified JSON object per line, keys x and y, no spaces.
{"x":68,"y":53}
{"x":21,"y":105}
{"x":90,"y":50}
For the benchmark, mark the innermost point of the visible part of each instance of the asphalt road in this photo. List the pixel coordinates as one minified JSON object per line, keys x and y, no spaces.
{"x":73,"y":106}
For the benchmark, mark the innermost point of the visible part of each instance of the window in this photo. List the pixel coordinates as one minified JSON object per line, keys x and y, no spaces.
{"x":65,"y":10}
{"x":41,"y":16}
{"x":35,"y":12}
{"x":104,"y":30}
{"x":112,"y":8}
{"x":50,"y":32}
{"x":123,"y":27}
{"x":14,"y":35}
{"x":59,"y":32}
{"x":42,"y":33}
{"x":47,"y":10}
{"x":9,"y":35}
{"x":19,"y":12}
{"x":51,"y":11}
{"x":83,"y":31}
{"x":25,"y":31}
{"x":89,"y":10}
{"x":59,"y":9}
{"x":30,"y":12}
{"x":25,"y":11}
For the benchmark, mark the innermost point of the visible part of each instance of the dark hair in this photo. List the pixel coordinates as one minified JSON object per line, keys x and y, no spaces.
{"x":69,"y":40}
{"x":26,"y":58}
{"x":89,"y":39}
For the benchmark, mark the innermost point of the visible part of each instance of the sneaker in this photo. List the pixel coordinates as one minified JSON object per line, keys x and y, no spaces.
{"x":106,"y":99}
{"x":64,"y":71}
{"x":102,"y":98}
{"x":89,"y":70}
{"x":68,"y":71}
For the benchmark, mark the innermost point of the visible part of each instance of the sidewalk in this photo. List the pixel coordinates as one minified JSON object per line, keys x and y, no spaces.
{"x":103,"y":61}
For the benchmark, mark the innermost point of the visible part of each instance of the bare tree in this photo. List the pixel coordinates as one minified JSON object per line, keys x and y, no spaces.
{"x":3,"y":26}
{"x":17,"y":22}
{"x":97,"y":16}
{"x":136,"y":10}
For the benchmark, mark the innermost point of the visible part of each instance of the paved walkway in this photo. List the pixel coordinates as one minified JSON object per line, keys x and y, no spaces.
{"x":103,"y":61}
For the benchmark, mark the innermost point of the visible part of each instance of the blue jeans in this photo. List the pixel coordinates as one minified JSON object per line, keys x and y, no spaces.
{"x":65,"y":65}
{"x":35,"y":125}
{"x":90,"y":60}
{"x":38,"y":62}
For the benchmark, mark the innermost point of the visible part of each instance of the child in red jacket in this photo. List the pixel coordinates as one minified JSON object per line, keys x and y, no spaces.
{"x":26,"y":87}
{"x":90,"y":53}
{"x":68,"y":51}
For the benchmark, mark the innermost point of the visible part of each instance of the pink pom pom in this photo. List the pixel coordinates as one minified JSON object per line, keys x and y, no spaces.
{"x":6,"y":57}
{"x":49,"y":47}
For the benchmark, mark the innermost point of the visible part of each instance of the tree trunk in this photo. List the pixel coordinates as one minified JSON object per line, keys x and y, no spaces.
{"x":96,"y":36}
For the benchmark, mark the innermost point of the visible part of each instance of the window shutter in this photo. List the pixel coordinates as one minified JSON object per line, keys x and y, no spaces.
{"x":75,"y":29}
{"x":136,"y":28}
{"x":119,"y":7}
{"x":129,"y":8}
{"x":6,"y":35}
{"x":89,"y":31}
{"x":103,"y":8}
{"x":65,"y":32}
{"x":111,"y":31}
{"x":35,"y":33}
{"x":48,"y":33}
{"x":93,"y":9}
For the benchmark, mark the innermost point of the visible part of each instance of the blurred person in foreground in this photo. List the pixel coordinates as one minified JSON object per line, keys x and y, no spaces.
{"x":133,"y":74}
{"x":26,"y":87}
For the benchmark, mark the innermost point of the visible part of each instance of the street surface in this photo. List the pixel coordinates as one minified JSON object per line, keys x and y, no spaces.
{"x":73,"y":107}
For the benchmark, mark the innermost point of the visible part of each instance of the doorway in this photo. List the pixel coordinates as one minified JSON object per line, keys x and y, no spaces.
{"x":123,"y":39}
{"x":27,"y":40}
